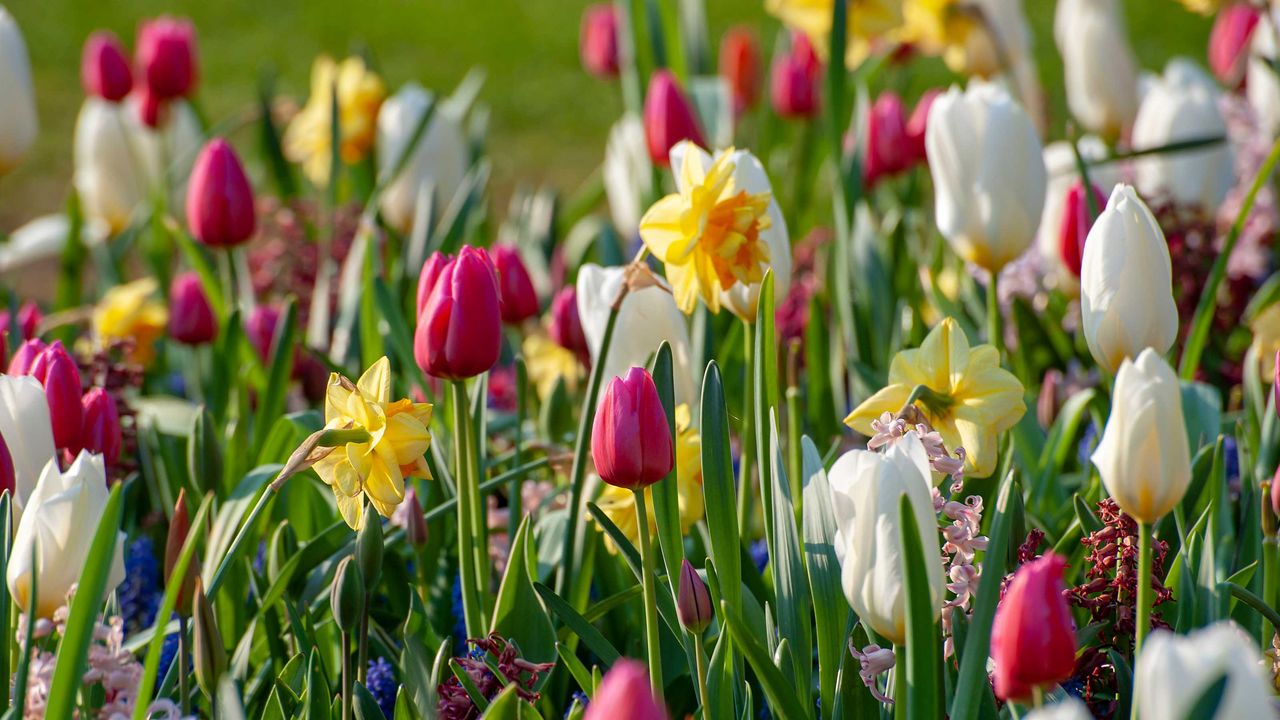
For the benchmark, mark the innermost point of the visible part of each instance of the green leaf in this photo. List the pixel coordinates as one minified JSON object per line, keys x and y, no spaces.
{"x":922,"y":645}
{"x":518,"y":614}
{"x":595,"y":641}
{"x":765,"y":398}
{"x":1254,"y":601}
{"x":316,"y":701}
{"x":1206,"y":706}
{"x":666,"y":494}
{"x":777,"y":688}
{"x":789,"y":577}
{"x":718,"y":491}
{"x":830,"y":609}
{"x":720,"y":680}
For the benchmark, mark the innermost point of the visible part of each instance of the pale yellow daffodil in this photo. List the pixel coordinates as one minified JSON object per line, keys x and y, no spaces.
{"x":130,"y":312}
{"x":375,"y":467}
{"x":308,"y":139}
{"x":548,"y":363}
{"x":969,"y":400}
{"x":868,"y":20}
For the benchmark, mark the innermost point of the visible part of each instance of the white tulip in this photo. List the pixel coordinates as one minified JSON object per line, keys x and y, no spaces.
{"x":1143,"y":458}
{"x":440,"y":158}
{"x":627,"y":172}
{"x":749,"y":176}
{"x":1262,"y":87}
{"x":1182,"y":104}
{"x":988,"y":174}
{"x":1060,"y":164}
{"x":18,"y":122}
{"x":27,"y":432}
{"x":866,"y":489}
{"x":1126,"y":283}
{"x":60,"y":521}
{"x":1173,"y":671}
{"x":648,"y":316}
{"x":1070,"y":708}
{"x":1101,"y":72}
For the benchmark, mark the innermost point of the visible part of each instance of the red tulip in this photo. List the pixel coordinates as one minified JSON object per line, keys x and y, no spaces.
{"x":630,"y":438}
{"x":101,"y":428}
{"x":191,"y":319}
{"x":566,"y":324}
{"x":1033,"y":639}
{"x":29,"y":317}
{"x":918,"y":122}
{"x":8,"y":479}
{"x":431,"y":270}
{"x":740,"y":67}
{"x":624,"y":692}
{"x":598,"y":42}
{"x":24,"y":358}
{"x":220,"y":206}
{"x":519,"y":299}
{"x":166,"y":57}
{"x":888,"y":150}
{"x":668,"y":117}
{"x":260,"y":328}
{"x":795,"y":78}
{"x":459,"y":330}
{"x":1229,"y":42}
{"x":693,"y":602}
{"x":58,"y":372}
{"x":104,"y":68}
{"x":1075,"y":225}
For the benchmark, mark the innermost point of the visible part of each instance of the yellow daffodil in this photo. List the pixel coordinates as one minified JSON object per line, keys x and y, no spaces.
{"x":1266,"y":337}
{"x":360,"y":94}
{"x":130,"y":312}
{"x":619,"y":503}
{"x":395,"y":439}
{"x":942,"y":27}
{"x":1204,"y":7}
{"x":867,"y":21}
{"x":711,"y":232}
{"x":548,"y":362}
{"x":968,"y":398}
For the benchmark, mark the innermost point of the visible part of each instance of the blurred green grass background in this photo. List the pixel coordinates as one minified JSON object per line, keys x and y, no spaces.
{"x":549,"y":118}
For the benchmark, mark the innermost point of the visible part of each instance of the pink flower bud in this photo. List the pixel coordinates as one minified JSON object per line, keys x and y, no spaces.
{"x":624,"y":692}
{"x":459,"y":333}
{"x":191,"y":319}
{"x":740,"y":67}
{"x":104,"y":68}
{"x":431,"y":270}
{"x":888,"y":149}
{"x":519,"y":299}
{"x":668,"y":117}
{"x":566,"y":324}
{"x":917,"y":124}
{"x":1229,"y":42}
{"x":29,"y":317}
{"x":415,"y":522}
{"x":630,"y":438}
{"x":260,"y":328}
{"x":220,"y":207}
{"x":794,"y":80}
{"x":1075,"y":225}
{"x":693,"y":603}
{"x":8,"y":479}
{"x":24,"y":358}
{"x":166,"y":57}
{"x":1033,"y":638}
{"x":101,"y":427}
{"x":598,"y":42}
{"x":58,"y":371}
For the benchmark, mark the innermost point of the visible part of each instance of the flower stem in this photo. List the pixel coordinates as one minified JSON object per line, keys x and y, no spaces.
{"x":899,"y":678}
{"x":346,"y":676}
{"x":747,"y":454}
{"x":700,"y":655}
{"x":993,"y":310}
{"x":184,"y":692}
{"x":467,"y":496}
{"x":363,"y":656}
{"x":1037,"y":696}
{"x":649,"y":580}
{"x":1270,"y":578}
{"x":1143,"y":582}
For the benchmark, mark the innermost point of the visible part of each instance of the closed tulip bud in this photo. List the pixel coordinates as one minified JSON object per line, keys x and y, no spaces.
{"x":29,"y":317}
{"x":1101,"y":71}
{"x":166,"y":57}
{"x":1174,"y":671}
{"x":988,"y":174}
{"x":866,"y":488}
{"x":630,"y":437}
{"x":8,"y":478}
{"x":1229,"y":42}
{"x":18,"y":122}
{"x":1274,"y":495}
{"x":220,"y":205}
{"x":346,"y":595}
{"x":415,"y":522}
{"x":179,"y":528}
{"x":598,"y":42}
{"x":1033,"y":638}
{"x":104,"y":69}
{"x":1126,"y":283}
{"x":260,"y":328}
{"x":1075,"y":225}
{"x":668,"y":117}
{"x":740,"y":66}
{"x":58,"y":372}
{"x":918,"y":123}
{"x":208,"y":653}
{"x":369,"y":553}
{"x":24,"y":357}
{"x":427,"y":277}
{"x":191,"y":320}
{"x":1143,"y":457}
{"x":625,"y":691}
{"x":793,"y":86}
{"x":693,"y":603}
{"x":100,"y":432}
{"x":515,"y":287}
{"x":887,"y":150}
{"x":566,"y":324}
{"x":459,"y":333}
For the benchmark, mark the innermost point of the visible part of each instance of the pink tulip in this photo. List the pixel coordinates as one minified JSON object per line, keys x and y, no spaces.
{"x":101,"y":430}
{"x":58,"y":372}
{"x":260,"y":328}
{"x":888,"y":150}
{"x":794,"y":80}
{"x":166,"y":57}
{"x":220,"y":205}
{"x":630,"y":438}
{"x":624,"y":693}
{"x":1033,"y":638}
{"x":191,"y":320}
{"x":598,"y":41}
{"x":8,"y":479}
{"x":1075,"y":225}
{"x":29,"y":317}
{"x":917,"y":124}
{"x":1229,"y":42}
{"x":24,"y":358}
{"x":104,"y":68}
{"x":515,"y":287}
{"x":693,"y":602}
{"x":459,"y":332}
{"x":430,"y":272}
{"x":740,"y":67}
{"x":668,"y":117}
{"x":566,"y":324}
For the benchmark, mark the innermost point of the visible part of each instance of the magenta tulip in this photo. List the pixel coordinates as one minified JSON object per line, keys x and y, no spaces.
{"x":8,"y":478}
{"x":1229,"y":42}
{"x":29,"y":317}
{"x":60,"y":375}
{"x":624,"y":693}
{"x":1076,"y":222}
{"x":1033,"y":638}
{"x":598,"y":42}
{"x":566,"y":324}
{"x":794,"y":81}
{"x":515,"y":287}
{"x":668,"y":117}
{"x":166,"y":57}
{"x":191,"y":320}
{"x":459,"y":332}
{"x":427,"y":277}
{"x":104,"y":68}
{"x":260,"y":328}
{"x":630,"y":438}
{"x":887,"y":150}
{"x":220,"y":205}
{"x":693,"y":602}
{"x":101,"y":428}
{"x":24,"y":358}
{"x":917,"y":123}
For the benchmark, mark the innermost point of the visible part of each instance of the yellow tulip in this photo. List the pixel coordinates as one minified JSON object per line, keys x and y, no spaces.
{"x":397,"y":439}
{"x":970,"y":398}
{"x":867,"y":20}
{"x":619,"y":504}
{"x":360,"y":95}
{"x":130,"y":312}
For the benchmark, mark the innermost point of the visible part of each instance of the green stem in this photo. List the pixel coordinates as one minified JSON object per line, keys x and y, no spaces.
{"x":900,"y":684}
{"x":346,"y":676}
{"x":994,"y":335}
{"x":1143,"y":581}
{"x":700,"y":653}
{"x":363,"y":661}
{"x":184,"y":692}
{"x":1270,"y":577}
{"x":514,"y":500}
{"x":748,"y":453}
{"x":467,"y":495}
{"x":652,"y":647}
{"x":1037,"y":696}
